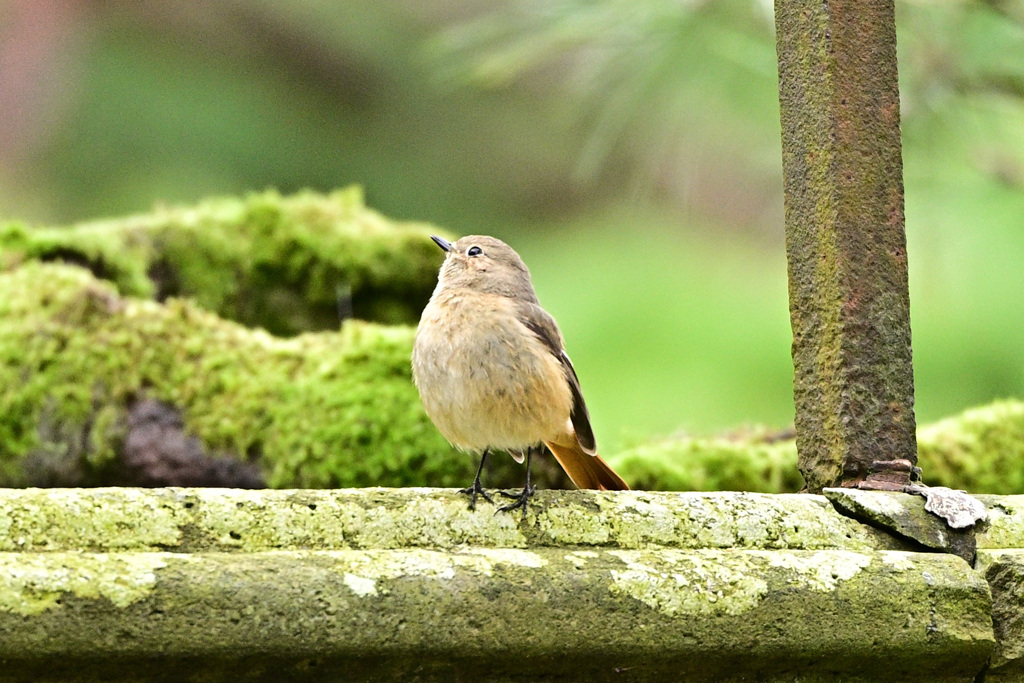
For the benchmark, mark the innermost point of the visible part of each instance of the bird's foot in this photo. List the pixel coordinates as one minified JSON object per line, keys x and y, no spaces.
{"x":476,"y":490}
{"x":520,"y":500}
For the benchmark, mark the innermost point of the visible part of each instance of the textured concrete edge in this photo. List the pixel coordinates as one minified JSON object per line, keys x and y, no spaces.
{"x":1004,"y":571}
{"x":196,"y":520}
{"x":911,"y":517}
{"x":1004,"y":528}
{"x":905,"y":515}
{"x":698,"y":612}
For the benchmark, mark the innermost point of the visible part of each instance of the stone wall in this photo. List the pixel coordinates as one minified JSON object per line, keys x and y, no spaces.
{"x":408,"y":584}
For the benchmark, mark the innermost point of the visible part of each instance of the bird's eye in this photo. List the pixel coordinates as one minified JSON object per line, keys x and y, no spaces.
{"x":474,"y":251}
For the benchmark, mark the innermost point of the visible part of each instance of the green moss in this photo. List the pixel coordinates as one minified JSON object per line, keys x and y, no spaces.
{"x":712,"y":464}
{"x":981,"y":450}
{"x":282,"y":263}
{"x":319,"y":410}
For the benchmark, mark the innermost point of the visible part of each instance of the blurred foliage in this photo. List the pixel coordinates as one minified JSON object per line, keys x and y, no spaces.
{"x":629,"y":149}
{"x":741,"y":462}
{"x":980,"y":450}
{"x":655,"y":75}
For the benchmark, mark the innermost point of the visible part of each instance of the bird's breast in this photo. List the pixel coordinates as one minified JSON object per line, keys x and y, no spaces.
{"x":486,"y":380}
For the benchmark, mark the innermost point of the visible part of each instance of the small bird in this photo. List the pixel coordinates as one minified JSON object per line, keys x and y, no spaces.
{"x":492,"y":371}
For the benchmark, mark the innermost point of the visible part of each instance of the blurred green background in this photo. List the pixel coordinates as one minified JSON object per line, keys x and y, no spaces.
{"x":629,"y":149}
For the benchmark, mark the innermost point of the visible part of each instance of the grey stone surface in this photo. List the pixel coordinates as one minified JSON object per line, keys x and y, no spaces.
{"x":407,"y":584}
{"x":1004,"y":571}
{"x":907,"y":517}
{"x":195,"y":520}
{"x":479,"y":612}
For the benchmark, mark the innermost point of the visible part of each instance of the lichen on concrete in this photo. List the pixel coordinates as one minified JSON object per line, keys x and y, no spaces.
{"x":703,"y":615}
{"x":411,"y":580}
{"x":1005,"y":525}
{"x":1004,"y":570}
{"x":232,"y":520}
{"x":278,"y":262}
{"x":360,"y":585}
{"x":31,"y":583}
{"x":432,"y":521}
{"x":363,"y":567}
{"x":908,"y":516}
{"x":100,"y":519}
{"x":734,"y":520}
{"x":903,"y":513}
{"x":690,"y":583}
{"x":823,"y":570}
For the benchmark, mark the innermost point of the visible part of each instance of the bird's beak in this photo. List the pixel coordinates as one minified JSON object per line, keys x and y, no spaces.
{"x":442,"y":242}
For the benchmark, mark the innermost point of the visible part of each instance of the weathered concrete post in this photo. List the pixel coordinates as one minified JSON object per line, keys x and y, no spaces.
{"x":846,"y":247}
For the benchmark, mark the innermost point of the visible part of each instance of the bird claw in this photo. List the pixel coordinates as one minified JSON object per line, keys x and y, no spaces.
{"x":521,"y":500}
{"x":476,"y":490}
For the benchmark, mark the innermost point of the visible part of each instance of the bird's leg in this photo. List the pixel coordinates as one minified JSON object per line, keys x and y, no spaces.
{"x":523,"y":498}
{"x":477,"y":488}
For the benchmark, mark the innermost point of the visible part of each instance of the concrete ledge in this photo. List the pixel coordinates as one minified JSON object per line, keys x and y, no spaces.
{"x":196,"y":520}
{"x":376,"y":584}
{"x":705,"y":614}
{"x":1005,"y":525}
{"x":1004,"y":570}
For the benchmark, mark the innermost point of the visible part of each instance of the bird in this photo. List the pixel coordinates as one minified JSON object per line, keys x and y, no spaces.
{"x":492,"y":372}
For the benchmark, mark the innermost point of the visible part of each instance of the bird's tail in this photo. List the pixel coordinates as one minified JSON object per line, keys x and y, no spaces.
{"x":586,"y":471}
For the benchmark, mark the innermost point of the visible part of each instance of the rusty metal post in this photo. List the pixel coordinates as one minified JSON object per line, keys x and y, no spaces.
{"x":845,"y":242}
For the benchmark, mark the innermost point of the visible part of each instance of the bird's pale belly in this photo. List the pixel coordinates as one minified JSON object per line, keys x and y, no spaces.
{"x":483,"y":393}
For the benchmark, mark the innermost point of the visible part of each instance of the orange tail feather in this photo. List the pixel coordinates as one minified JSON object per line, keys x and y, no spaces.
{"x":586,"y":471}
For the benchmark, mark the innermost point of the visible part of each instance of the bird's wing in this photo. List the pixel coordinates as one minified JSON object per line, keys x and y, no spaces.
{"x":540,"y":322}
